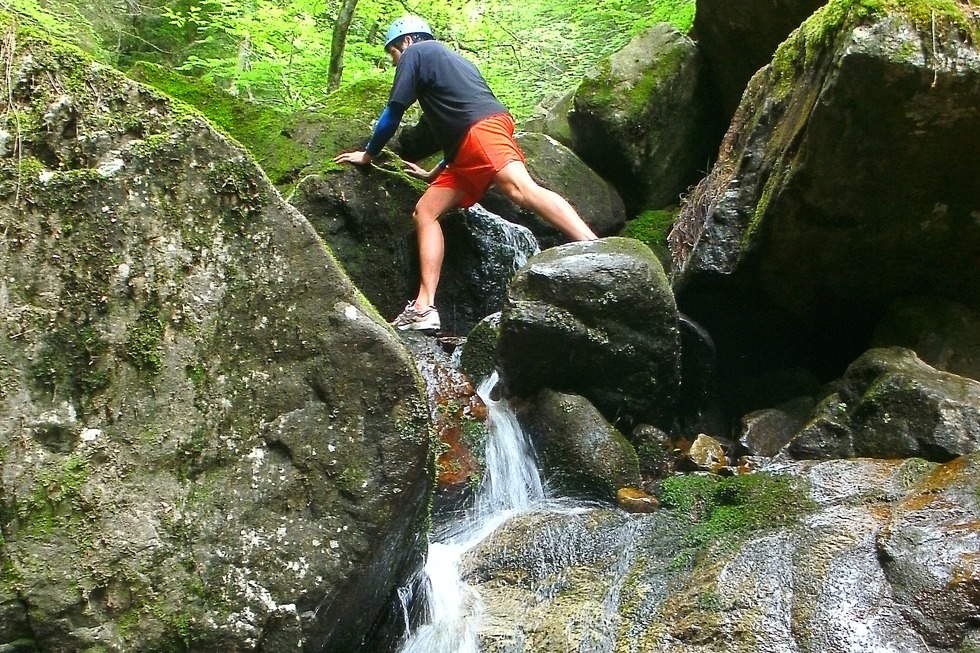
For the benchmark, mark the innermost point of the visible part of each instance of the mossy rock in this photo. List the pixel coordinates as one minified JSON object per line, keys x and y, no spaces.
{"x":288,"y":146}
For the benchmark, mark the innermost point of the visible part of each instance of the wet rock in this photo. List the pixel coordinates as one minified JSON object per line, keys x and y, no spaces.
{"x":765,"y":432}
{"x":657,"y":453}
{"x":865,"y":568}
{"x":458,"y":416}
{"x":478,"y":358}
{"x":581,"y":452}
{"x":595,"y":319}
{"x":707,"y":453}
{"x":826,"y":435}
{"x":930,"y":552}
{"x":901,"y":407}
{"x":635,"y":500}
{"x":483,"y":253}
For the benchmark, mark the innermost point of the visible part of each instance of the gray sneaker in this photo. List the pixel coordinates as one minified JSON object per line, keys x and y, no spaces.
{"x":427,"y":320}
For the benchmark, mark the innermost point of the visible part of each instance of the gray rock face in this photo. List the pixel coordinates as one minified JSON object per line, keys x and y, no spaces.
{"x":558,"y":168}
{"x":850,"y":172}
{"x":885,"y":545}
{"x":640,"y":119}
{"x":595,"y":319}
{"x":583,"y":455}
{"x":935,"y":578}
{"x":738,"y":38}
{"x":210,"y":440}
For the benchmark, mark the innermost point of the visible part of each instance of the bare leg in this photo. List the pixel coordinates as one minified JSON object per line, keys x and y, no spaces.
{"x":431,"y":206}
{"x":514,"y":181}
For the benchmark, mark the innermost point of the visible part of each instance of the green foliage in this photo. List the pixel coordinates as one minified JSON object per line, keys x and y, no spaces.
{"x":530,"y":51}
{"x":57,"y":20}
{"x":277,"y":52}
{"x":723,"y":507}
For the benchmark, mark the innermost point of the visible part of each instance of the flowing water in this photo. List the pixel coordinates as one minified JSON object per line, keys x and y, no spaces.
{"x":511,"y":484}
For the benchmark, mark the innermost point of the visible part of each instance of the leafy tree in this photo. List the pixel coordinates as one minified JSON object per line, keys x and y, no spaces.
{"x":291,"y":53}
{"x":338,"y":42}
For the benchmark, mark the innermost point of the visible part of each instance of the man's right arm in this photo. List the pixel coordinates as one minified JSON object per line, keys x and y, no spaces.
{"x":385,"y":128}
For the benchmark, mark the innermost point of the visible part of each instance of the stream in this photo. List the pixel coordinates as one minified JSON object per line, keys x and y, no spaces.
{"x":510,"y":486}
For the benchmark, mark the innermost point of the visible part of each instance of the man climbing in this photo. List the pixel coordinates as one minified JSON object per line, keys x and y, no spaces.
{"x":476,"y":134}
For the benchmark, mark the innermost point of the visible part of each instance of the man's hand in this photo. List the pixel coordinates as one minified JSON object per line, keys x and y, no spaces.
{"x":361,"y":158}
{"x":422,"y":173}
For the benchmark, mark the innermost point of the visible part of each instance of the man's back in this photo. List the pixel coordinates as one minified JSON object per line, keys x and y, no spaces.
{"x":448,"y":87}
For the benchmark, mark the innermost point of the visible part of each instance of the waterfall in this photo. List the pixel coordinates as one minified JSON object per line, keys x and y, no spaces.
{"x":511,"y":484}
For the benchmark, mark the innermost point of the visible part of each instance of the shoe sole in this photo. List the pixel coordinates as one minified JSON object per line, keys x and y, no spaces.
{"x":418,"y":327}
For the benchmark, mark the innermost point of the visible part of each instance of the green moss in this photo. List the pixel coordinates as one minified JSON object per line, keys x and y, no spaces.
{"x":479,"y":355}
{"x":818,"y":31}
{"x":274,"y":138}
{"x":721,"y":508}
{"x":914,"y":470}
{"x":651,"y":228}
{"x":54,"y":499}
{"x":143,"y":340}
{"x":196,"y":373}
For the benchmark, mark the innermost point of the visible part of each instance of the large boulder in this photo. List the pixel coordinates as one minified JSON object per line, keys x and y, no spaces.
{"x":640,"y":119}
{"x":595,"y":319}
{"x":210,"y":439}
{"x":890,"y":404}
{"x":849,"y":177}
{"x":558,"y":168}
{"x":365,"y":215}
{"x":736,"y":39}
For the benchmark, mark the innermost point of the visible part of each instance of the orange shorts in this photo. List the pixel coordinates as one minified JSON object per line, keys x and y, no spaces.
{"x":488,"y":146}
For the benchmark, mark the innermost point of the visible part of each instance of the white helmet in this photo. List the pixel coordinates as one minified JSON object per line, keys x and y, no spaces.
{"x":406,"y":25}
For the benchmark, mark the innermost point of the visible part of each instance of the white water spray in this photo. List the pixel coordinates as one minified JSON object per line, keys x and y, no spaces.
{"x":511,"y":484}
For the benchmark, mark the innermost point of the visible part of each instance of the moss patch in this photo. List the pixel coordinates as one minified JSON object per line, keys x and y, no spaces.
{"x":818,"y":32}
{"x":651,"y":229}
{"x":722,"y":508}
{"x":287,"y":146}
{"x":143,"y":340}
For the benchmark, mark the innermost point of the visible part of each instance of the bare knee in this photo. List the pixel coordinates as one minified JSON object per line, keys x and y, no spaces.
{"x":423,"y":216}
{"x":521,"y":194}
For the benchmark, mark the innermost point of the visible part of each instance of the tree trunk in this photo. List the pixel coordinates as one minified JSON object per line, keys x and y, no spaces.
{"x":340,"y":28}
